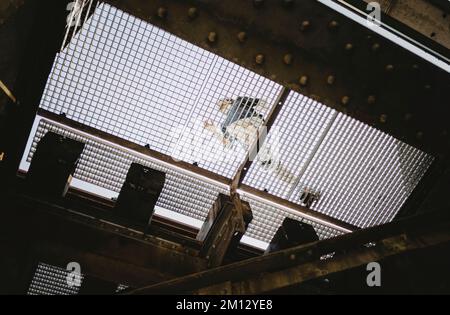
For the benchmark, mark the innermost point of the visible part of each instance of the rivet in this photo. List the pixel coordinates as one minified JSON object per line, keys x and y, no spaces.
{"x":371,"y":99}
{"x":287,"y":59}
{"x":348,"y":47}
{"x":259,"y":59}
{"x":389,"y":68}
{"x":376,"y":47}
{"x":292,"y":257}
{"x":303,"y":80}
{"x":345,"y":100}
{"x":242,"y":36}
{"x":305,"y":26}
{"x":383,"y":118}
{"x":408,"y":116}
{"x":212,"y":37}
{"x":333,"y":25}
{"x":419,"y":135}
{"x":415,"y":67}
{"x":331,"y":79}
{"x":192,"y":13}
{"x":162,"y":12}
{"x":427,"y":87}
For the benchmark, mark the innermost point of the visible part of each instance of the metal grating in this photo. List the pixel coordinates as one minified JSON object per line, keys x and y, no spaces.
{"x":299,"y":128}
{"x":105,"y":166}
{"x":126,"y":77}
{"x":136,"y":81}
{"x":364,"y":175}
{"x":52,"y":280}
{"x":267,"y":219}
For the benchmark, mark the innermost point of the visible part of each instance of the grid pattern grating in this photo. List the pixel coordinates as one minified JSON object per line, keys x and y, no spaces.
{"x":107,"y":167}
{"x":52,"y":280}
{"x":134,"y":80}
{"x":131,"y":79}
{"x":267,"y":219}
{"x":181,"y":193}
{"x":311,"y":120}
{"x":364,"y":175}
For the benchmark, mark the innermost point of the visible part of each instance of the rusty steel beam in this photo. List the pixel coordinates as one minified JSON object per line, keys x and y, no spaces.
{"x":224,"y":222}
{"x":195,"y":171}
{"x":56,"y":230}
{"x":296,"y":265}
{"x":272,"y":281}
{"x":311,"y":49}
{"x":421,"y":16}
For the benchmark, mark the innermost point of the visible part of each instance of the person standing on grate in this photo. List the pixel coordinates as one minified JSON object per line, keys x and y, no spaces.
{"x":243,"y":121}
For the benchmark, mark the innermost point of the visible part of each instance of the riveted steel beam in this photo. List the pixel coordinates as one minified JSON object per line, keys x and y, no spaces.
{"x":422,"y":16}
{"x":296,"y":265}
{"x":314,"y":50}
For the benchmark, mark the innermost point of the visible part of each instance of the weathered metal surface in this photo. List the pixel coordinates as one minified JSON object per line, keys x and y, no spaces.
{"x":296,"y":275}
{"x":305,"y":44}
{"x":224,"y":221}
{"x":423,"y":17}
{"x":59,"y":234}
{"x":301,"y":263}
{"x":45,"y":21}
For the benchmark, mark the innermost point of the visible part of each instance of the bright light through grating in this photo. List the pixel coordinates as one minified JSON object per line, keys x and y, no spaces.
{"x":126,"y":77}
{"x":106,"y":167}
{"x":52,"y":280}
{"x":134,"y":80}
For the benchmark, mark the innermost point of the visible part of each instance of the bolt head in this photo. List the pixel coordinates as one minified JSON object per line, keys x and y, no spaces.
{"x":287,"y":59}
{"x":348,"y":47}
{"x":389,"y":68}
{"x":242,"y":36}
{"x":192,"y":13}
{"x":371,"y":99}
{"x":419,"y":135}
{"x":376,"y":47}
{"x":333,"y":25}
{"x":162,"y":12}
{"x":305,"y":25}
{"x":259,"y":59}
{"x":345,"y":100}
{"x":331,"y":79}
{"x":212,"y":37}
{"x":303,"y":80}
{"x":383,"y":118}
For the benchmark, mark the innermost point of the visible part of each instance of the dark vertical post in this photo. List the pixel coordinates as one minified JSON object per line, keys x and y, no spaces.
{"x":46,"y":35}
